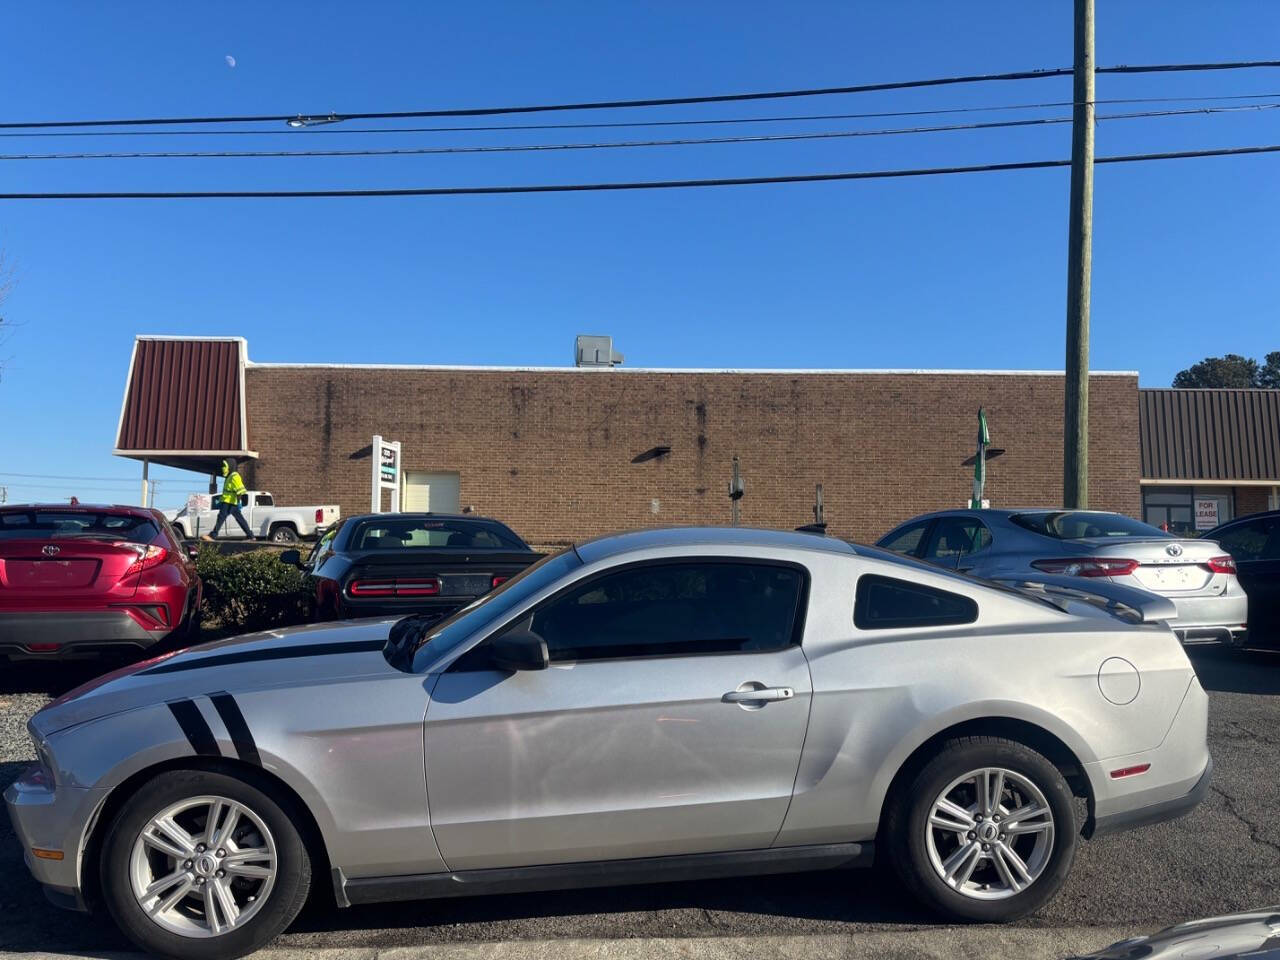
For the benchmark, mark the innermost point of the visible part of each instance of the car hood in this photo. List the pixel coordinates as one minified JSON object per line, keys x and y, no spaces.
{"x":295,"y":656}
{"x":1215,"y":938}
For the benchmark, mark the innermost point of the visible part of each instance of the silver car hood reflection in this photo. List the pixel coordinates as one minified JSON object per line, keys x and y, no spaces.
{"x":1254,"y":934}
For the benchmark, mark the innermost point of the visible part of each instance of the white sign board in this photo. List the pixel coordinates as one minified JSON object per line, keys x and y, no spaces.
{"x":386,"y":472}
{"x":199,"y":503}
{"x":1206,"y":513}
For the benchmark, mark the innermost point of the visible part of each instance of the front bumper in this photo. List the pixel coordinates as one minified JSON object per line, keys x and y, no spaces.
{"x":58,"y":819}
{"x":76,"y":633}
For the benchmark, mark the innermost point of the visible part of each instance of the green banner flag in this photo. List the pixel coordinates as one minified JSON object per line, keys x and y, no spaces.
{"x":980,"y":461}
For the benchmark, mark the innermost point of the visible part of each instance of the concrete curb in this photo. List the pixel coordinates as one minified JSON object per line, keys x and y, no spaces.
{"x":935,"y":943}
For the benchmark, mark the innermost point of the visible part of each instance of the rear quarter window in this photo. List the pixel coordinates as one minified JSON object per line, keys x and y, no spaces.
{"x":886,"y":603}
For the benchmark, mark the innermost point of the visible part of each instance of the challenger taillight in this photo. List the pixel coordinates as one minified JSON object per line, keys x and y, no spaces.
{"x":148,"y":556}
{"x":1221,"y":565}
{"x":401,"y":587}
{"x":1087,"y":566}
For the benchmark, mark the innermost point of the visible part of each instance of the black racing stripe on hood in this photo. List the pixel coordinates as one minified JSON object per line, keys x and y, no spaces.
{"x":237,"y":727}
{"x":270,"y":653}
{"x":195,"y":728}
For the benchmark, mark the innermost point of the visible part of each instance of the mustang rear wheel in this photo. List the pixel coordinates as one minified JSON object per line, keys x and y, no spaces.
{"x":203,"y":865}
{"x":985,"y":830}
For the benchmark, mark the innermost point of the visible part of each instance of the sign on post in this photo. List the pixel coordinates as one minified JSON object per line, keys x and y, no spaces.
{"x":1206,"y":513}
{"x":386,"y":472}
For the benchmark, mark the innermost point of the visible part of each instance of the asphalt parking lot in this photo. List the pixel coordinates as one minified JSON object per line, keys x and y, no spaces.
{"x":1224,"y":857}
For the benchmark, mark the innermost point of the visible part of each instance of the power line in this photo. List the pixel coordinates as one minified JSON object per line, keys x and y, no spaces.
{"x":652,"y":102}
{"x":633,"y":185}
{"x":58,"y":476}
{"x":544,"y":147}
{"x":495,"y":128}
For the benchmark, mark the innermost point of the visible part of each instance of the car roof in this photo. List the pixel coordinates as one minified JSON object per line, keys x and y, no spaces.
{"x":421,"y":515}
{"x":1245,"y":518}
{"x":658,"y":537}
{"x":124,"y":510}
{"x":1001,"y":512}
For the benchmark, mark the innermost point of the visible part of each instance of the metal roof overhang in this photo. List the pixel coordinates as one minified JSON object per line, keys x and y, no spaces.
{"x":184,"y":402}
{"x":1219,"y":437}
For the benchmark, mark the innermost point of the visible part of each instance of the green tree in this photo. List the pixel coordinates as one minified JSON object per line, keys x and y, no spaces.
{"x":1269,"y":374}
{"x":1232,"y":370}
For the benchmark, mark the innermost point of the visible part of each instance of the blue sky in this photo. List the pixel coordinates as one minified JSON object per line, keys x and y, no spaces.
{"x":940,"y":272}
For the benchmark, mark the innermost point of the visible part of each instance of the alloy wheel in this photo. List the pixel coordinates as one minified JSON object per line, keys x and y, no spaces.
{"x":990,"y":834}
{"x":203,"y":866}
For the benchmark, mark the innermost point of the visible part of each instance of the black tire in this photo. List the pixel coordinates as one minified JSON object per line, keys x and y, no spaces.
{"x":284,"y":533}
{"x":907,"y":827}
{"x":283,"y":902}
{"x":181,"y":531}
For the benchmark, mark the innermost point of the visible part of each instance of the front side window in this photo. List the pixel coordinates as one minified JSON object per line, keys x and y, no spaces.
{"x":264,"y":500}
{"x":675,"y":609}
{"x":907,"y":540}
{"x":886,"y":603}
{"x":956,"y":537}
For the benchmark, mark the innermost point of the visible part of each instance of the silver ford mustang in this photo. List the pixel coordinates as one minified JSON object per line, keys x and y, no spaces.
{"x":664,"y":704}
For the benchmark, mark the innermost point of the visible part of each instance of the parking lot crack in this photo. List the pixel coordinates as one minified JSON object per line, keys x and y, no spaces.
{"x":1255,"y":832}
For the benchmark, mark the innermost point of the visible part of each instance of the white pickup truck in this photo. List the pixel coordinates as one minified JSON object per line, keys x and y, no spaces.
{"x":265,"y":519}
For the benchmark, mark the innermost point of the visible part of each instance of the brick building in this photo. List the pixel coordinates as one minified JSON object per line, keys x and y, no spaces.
{"x":566,"y":453}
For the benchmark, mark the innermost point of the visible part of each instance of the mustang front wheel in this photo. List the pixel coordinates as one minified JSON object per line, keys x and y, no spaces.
{"x":203,"y":865}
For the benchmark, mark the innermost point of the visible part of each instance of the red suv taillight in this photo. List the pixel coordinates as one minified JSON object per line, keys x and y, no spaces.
{"x":148,"y":557}
{"x":1221,"y":565}
{"x":1087,"y":566}
{"x":418,"y":587}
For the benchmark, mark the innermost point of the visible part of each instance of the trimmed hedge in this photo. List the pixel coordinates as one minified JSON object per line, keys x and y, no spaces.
{"x":252,"y":591}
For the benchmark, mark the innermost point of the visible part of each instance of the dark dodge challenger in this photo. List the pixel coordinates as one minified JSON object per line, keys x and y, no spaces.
{"x":401,"y":563}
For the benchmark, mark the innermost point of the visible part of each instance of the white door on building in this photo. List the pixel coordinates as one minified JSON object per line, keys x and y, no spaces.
{"x":435,"y":492}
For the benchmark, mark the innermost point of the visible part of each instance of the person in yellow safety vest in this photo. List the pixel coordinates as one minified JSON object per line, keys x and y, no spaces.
{"x":229,"y":500}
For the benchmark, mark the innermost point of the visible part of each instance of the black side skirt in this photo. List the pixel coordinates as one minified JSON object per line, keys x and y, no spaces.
{"x":603,"y":873}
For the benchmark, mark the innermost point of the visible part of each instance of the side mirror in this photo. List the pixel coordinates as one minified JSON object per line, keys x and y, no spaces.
{"x":519,"y":650}
{"x":292,"y":558}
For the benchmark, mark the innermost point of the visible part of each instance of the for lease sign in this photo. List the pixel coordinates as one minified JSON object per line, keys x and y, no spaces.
{"x":1206,"y":513}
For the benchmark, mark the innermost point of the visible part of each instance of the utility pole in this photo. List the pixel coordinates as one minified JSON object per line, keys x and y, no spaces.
{"x":1075,"y":445}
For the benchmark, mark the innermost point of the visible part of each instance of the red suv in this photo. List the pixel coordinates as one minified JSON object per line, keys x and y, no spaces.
{"x":84,"y":580}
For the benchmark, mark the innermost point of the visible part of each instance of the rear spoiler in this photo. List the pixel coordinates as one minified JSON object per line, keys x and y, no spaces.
{"x":1128,"y":603}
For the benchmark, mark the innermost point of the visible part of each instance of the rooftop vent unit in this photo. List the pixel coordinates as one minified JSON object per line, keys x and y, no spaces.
{"x":592,"y":351}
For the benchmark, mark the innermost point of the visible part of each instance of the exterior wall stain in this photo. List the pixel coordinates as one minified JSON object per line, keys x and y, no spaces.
{"x":551,"y":452}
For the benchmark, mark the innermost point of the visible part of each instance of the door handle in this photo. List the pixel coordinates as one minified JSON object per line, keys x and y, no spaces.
{"x":757,"y":694}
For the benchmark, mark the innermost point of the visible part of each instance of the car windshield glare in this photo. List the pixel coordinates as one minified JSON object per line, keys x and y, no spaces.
{"x":1080,"y":525}
{"x":488,"y":610}
{"x":72,"y":524}
{"x":418,"y":533}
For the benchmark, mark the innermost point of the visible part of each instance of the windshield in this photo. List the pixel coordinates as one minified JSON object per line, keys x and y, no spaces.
{"x":495,"y":605}
{"x":69,"y":524}
{"x":407,"y":532}
{"x":1065,"y":525}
